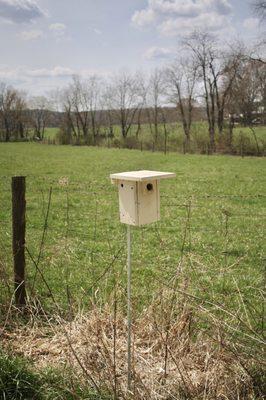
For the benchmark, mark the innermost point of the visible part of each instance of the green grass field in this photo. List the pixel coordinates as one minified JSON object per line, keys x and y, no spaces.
{"x":84,"y":245}
{"x":205,"y":258}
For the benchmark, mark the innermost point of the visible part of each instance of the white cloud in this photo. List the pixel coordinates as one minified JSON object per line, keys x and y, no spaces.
{"x":7,"y":73}
{"x":24,"y":72}
{"x":155,"y":53}
{"x":251,"y":23}
{"x":60,"y":72}
{"x":56,"y":72}
{"x":20,"y":11}
{"x":172,"y":17}
{"x":39,"y":81}
{"x":210,"y":21}
{"x":144,"y":17}
{"x":31,"y":35}
{"x":36,"y":81}
{"x":179,"y":8}
{"x":58,"y":29}
{"x":221,"y":7}
{"x":97,"y":31}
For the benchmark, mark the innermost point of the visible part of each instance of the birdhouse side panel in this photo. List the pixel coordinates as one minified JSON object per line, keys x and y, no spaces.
{"x":128,"y":202}
{"x":148,"y":202}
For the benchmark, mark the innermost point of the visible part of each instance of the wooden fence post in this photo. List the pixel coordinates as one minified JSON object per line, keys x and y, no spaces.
{"x":19,"y":227}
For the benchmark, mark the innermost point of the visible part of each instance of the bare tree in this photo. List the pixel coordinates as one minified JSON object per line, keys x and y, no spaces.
{"x":39,"y":114}
{"x":21,"y":120}
{"x":12,"y":113}
{"x":93,"y":96}
{"x":230,"y":62}
{"x":68,"y":127}
{"x":259,"y":8}
{"x":218,"y":69}
{"x":154,"y":101}
{"x":122,"y":98}
{"x":202,"y":47}
{"x":7,"y":99}
{"x":75,"y":105}
{"x":80,"y":107}
{"x":142,"y":106}
{"x":249,"y":91}
{"x":181,"y":79}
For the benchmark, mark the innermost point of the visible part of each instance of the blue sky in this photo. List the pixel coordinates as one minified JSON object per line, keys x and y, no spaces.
{"x":44,"y":42}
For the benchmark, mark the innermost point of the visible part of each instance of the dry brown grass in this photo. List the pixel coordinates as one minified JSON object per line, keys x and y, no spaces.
{"x":172,"y":359}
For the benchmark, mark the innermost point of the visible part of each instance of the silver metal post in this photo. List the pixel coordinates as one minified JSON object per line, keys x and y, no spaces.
{"x":129,"y":310}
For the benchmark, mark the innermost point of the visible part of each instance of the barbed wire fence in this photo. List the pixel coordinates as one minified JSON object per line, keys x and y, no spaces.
{"x":205,"y":255}
{"x":66,"y":221}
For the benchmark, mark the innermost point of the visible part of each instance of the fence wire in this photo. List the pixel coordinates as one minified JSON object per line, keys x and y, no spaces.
{"x":79,"y":242}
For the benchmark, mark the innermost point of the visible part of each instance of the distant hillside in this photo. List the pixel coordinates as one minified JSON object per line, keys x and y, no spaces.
{"x":170,"y":114}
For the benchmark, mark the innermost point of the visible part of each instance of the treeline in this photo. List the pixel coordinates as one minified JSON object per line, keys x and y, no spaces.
{"x":222,"y":85}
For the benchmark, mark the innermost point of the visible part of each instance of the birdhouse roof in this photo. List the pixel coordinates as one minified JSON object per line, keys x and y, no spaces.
{"x":140,"y":176}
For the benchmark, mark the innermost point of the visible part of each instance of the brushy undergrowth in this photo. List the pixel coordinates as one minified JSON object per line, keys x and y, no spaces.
{"x":181,"y":350}
{"x":244,"y":141}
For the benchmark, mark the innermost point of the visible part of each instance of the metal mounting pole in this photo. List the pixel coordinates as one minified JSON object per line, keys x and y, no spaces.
{"x":129,"y":310}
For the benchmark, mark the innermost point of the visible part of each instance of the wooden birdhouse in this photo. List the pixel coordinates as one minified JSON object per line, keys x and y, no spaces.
{"x":139,"y":195}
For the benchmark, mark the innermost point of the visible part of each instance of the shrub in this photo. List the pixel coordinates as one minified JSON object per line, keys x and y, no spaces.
{"x":131,"y":142}
{"x":244,"y":144}
{"x":63,"y":136}
{"x":200,"y":139}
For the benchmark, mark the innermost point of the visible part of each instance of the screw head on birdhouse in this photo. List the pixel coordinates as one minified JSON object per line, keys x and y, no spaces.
{"x":139,"y":196}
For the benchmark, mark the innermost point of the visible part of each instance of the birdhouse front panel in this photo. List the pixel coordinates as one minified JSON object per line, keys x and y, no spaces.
{"x":139,"y":202}
{"x":148,"y":202}
{"x":127,"y":191}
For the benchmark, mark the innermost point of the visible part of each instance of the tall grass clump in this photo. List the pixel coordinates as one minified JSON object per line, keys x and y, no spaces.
{"x":19,"y":380}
